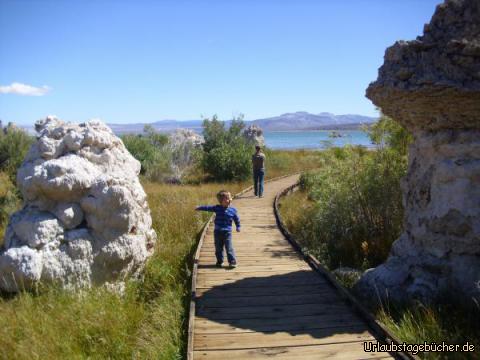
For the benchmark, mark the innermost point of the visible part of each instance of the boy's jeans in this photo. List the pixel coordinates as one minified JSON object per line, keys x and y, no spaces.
{"x":223,"y":238}
{"x":258,"y":182}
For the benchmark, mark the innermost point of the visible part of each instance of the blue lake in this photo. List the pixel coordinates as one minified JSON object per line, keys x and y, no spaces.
{"x":315,"y":139}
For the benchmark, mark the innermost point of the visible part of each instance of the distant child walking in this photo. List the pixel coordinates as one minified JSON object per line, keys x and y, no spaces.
{"x":224,"y":215}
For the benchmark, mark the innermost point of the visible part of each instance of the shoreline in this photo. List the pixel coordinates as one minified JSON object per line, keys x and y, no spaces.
{"x":306,"y":130}
{"x":372,"y":147}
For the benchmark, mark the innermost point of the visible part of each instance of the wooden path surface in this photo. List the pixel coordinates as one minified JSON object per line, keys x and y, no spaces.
{"x":273,"y":305}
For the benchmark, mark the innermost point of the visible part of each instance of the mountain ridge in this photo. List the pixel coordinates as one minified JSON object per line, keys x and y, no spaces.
{"x":300,"y":120}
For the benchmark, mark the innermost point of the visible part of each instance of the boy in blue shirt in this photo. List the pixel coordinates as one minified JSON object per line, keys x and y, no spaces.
{"x":224,"y":214}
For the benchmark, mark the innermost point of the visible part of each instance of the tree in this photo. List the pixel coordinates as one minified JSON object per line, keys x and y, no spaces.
{"x":390,"y":133}
{"x":226,"y":154}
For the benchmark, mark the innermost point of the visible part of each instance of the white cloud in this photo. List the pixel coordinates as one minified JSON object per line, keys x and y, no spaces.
{"x":24,"y":89}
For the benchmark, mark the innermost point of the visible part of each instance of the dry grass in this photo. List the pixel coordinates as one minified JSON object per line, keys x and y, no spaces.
{"x":281,"y":162}
{"x":149,"y":322}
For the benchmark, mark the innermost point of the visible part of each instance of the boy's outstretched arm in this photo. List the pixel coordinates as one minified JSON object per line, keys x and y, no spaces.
{"x":236,"y":219}
{"x":205,"y":208}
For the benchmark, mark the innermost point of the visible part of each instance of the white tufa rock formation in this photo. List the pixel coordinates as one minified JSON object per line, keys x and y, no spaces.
{"x":254,"y":135}
{"x":181,"y":136}
{"x":85,"y":220}
{"x":183,"y":143}
{"x":431,"y":85}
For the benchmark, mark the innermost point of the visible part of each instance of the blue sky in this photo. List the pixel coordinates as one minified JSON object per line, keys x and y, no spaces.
{"x":144,"y":61}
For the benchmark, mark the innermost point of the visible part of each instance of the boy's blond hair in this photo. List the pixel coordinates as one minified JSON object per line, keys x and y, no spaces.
{"x":223,"y":194}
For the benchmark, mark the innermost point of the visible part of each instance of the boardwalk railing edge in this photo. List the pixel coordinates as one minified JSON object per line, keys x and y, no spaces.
{"x":380,"y":329}
{"x":191,"y":314}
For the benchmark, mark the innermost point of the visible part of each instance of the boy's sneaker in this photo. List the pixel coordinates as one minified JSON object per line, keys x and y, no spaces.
{"x":233,"y":264}
{"x":218,"y":264}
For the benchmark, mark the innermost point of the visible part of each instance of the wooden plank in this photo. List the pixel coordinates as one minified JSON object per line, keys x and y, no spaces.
{"x":249,"y":241}
{"x":264,"y":220}
{"x":250,"y":251}
{"x":246,"y":251}
{"x":246,"y":262}
{"x":268,"y":257}
{"x":267,"y":300}
{"x":294,"y":338}
{"x":250,"y":248}
{"x":275,"y":278}
{"x":248,"y":234}
{"x":252,"y":241}
{"x":258,"y":266}
{"x":269,"y":312}
{"x":301,"y":323}
{"x":259,"y":231}
{"x":266,"y":290}
{"x":349,"y":350}
{"x":284,"y":255}
{"x":212,"y":269}
{"x":256,"y":254}
{"x":250,"y":229}
{"x":257,"y":282}
{"x":278,"y":275}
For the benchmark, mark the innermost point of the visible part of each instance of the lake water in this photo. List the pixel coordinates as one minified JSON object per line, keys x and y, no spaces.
{"x":318,"y":139}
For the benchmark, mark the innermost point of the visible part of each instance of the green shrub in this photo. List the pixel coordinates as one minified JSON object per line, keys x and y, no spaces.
{"x":226,"y":154}
{"x":9,"y":202}
{"x":387,"y":132}
{"x":151,"y":150}
{"x":356,"y":210}
{"x":14,"y":145}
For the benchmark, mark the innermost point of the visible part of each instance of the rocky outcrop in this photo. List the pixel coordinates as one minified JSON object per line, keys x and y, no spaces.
{"x":183,"y":143}
{"x":85,"y":220}
{"x":254,"y":135}
{"x":432,"y":87}
{"x":182,"y":136}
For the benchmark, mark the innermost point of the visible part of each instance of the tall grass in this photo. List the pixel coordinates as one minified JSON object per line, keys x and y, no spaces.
{"x":9,"y":202}
{"x":14,"y":145}
{"x":354,"y":210}
{"x":281,"y":162}
{"x":447,"y":322}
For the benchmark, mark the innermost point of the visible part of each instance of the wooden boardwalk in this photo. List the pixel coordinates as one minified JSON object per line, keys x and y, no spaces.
{"x":273,"y":305}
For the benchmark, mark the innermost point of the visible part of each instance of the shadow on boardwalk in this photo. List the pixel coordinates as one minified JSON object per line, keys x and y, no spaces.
{"x":299,"y":302}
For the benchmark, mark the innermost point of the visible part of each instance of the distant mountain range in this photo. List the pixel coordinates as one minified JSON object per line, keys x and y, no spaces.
{"x":300,"y":120}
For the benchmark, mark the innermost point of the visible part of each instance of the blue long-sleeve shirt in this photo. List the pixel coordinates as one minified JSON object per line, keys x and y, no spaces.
{"x":223,"y":216}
